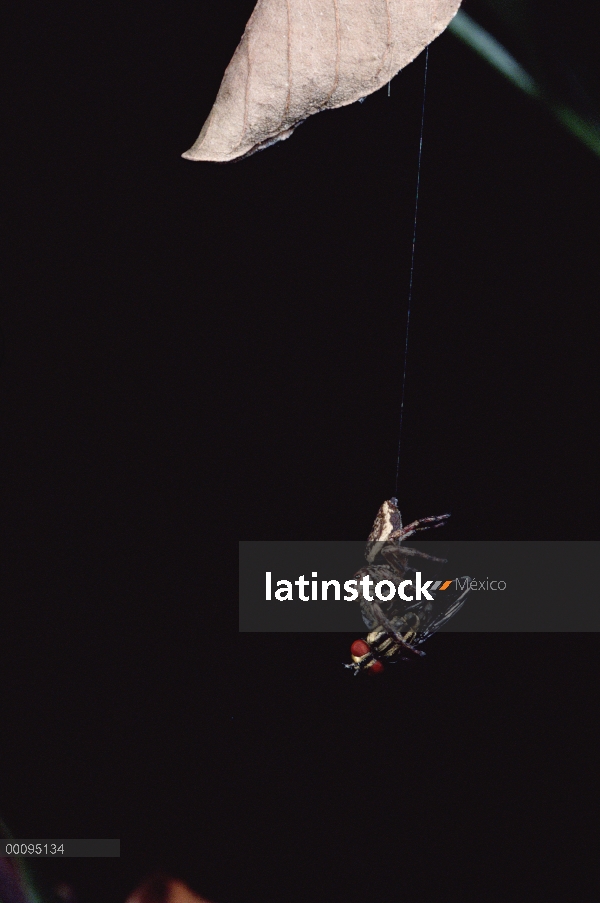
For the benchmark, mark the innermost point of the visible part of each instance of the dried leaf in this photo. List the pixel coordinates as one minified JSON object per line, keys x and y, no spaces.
{"x":298,"y":57}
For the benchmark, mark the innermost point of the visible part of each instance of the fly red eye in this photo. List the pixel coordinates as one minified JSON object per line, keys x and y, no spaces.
{"x":375,"y":668}
{"x":359,"y":648}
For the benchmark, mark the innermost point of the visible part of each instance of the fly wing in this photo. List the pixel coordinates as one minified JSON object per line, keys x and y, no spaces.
{"x":422,"y":618}
{"x":446,"y":603}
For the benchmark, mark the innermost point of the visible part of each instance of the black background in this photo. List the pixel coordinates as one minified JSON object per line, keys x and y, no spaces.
{"x":196,"y":354}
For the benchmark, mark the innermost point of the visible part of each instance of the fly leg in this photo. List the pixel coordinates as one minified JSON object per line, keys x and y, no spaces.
{"x":355,"y":668}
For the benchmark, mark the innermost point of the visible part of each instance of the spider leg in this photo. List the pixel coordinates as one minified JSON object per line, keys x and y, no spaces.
{"x":394,"y":555}
{"x":410,"y":529}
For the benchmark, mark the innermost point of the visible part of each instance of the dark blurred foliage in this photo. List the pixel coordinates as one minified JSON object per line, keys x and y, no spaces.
{"x":556,"y":43}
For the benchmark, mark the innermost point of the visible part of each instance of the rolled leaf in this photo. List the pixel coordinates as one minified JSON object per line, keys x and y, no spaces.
{"x":298,"y":57}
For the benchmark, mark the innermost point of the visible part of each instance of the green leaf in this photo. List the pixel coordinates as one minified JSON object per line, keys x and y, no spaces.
{"x":554,"y":86}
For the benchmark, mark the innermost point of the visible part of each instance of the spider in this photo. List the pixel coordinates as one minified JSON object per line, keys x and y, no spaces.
{"x":394,"y":629}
